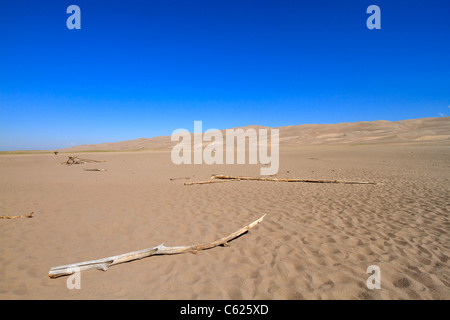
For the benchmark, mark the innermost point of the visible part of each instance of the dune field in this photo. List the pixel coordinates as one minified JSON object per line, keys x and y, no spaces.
{"x":316,"y":241}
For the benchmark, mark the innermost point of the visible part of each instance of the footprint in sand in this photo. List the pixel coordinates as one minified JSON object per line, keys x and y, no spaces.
{"x":402,"y":283}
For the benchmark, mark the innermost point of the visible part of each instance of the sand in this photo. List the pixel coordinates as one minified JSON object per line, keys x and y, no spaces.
{"x":316,"y":241}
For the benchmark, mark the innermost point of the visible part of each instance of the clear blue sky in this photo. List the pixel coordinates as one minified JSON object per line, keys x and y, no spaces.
{"x":145,"y":68}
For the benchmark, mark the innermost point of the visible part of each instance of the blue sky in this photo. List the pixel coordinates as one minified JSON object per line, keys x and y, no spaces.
{"x":145,"y":68}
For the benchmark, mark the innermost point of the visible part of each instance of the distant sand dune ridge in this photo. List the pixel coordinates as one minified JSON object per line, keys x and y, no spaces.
{"x":373,"y":132}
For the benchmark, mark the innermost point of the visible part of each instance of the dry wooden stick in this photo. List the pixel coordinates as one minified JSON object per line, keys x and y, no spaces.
{"x":17,"y":217}
{"x":76,"y":160}
{"x":206,"y":182}
{"x":234,"y":178}
{"x":104,"y":264}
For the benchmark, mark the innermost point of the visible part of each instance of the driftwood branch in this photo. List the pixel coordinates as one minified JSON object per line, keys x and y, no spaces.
{"x":206,"y":182}
{"x":17,"y":217}
{"x":236,"y":178}
{"x":104,"y":264}
{"x":76,"y":160}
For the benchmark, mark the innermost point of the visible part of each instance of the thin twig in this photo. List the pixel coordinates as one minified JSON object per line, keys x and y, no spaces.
{"x":17,"y":217}
{"x":206,"y":182}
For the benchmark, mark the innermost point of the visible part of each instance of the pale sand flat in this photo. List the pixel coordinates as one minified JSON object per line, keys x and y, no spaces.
{"x":316,"y":242}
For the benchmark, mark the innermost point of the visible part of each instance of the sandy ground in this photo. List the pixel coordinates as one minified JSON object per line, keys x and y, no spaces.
{"x":316,"y":241}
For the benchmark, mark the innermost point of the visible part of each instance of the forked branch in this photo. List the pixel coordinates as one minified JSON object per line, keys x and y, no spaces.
{"x":105,"y":263}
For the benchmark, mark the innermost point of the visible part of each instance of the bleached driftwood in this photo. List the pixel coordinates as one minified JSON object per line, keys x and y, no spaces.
{"x":17,"y":217}
{"x":236,"y":178}
{"x":205,"y":182}
{"x":76,"y":160}
{"x":105,"y":263}
{"x":185,"y":178}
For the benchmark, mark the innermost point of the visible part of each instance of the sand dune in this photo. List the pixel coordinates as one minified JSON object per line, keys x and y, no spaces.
{"x":316,"y":241}
{"x":374,"y":132}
